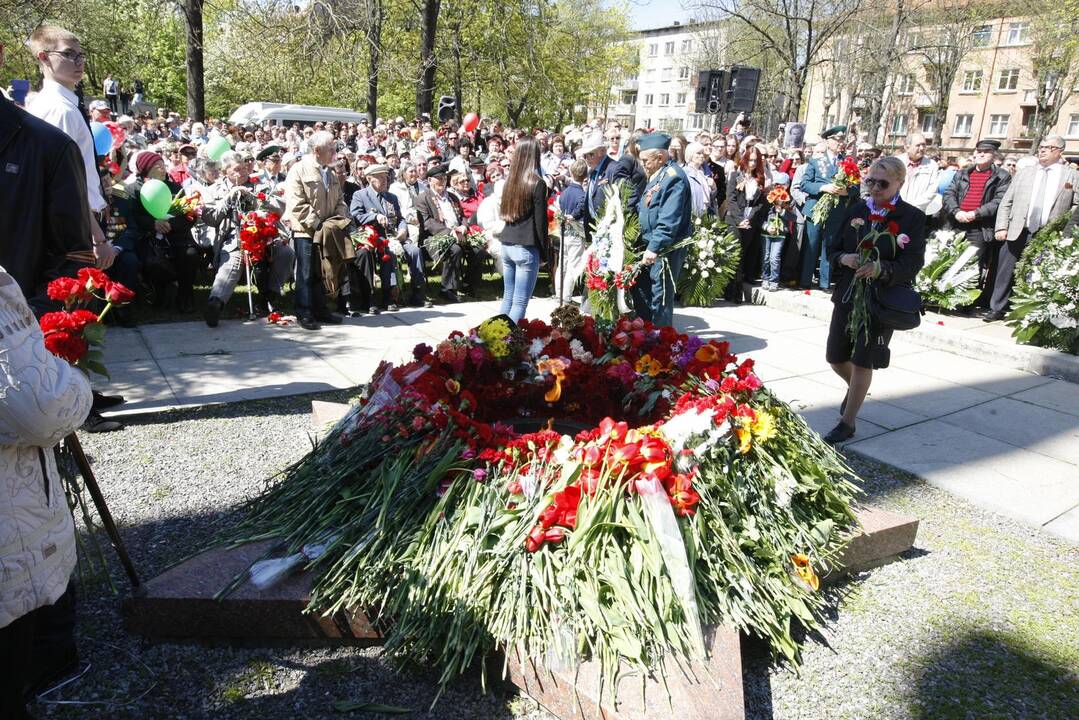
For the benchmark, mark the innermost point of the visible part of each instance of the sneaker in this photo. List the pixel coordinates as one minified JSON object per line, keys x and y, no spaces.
{"x":212,"y":313}
{"x":392,"y":307}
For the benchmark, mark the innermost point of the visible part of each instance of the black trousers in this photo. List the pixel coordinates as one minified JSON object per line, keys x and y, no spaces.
{"x":1007,"y":256}
{"x":35,"y":649}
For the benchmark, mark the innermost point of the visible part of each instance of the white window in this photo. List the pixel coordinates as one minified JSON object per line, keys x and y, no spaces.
{"x":687,"y":47}
{"x":680,"y":99}
{"x":998,"y":125}
{"x":665,"y":75}
{"x":982,"y":35}
{"x":664,"y":99}
{"x":668,"y":48}
{"x":650,"y":75}
{"x":899,"y":125}
{"x":1008,"y":80}
{"x":905,"y":84}
{"x":1073,"y":125}
{"x":1017,"y":33}
{"x":963,"y":124}
{"x":653,"y":50}
{"x":683,"y":73}
{"x":929,"y":122}
{"x":696,"y":121}
{"x":648,"y":99}
{"x":972,"y":81}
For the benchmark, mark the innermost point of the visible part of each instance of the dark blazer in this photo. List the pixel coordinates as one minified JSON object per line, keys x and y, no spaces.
{"x":737,"y":202}
{"x":899,"y":266}
{"x":985,"y":216}
{"x":366,"y":204}
{"x":45,"y":213}
{"x":610,"y":172}
{"x":531,"y":229}
{"x":572,"y":201}
{"x":430,"y":221}
{"x":635,"y":177}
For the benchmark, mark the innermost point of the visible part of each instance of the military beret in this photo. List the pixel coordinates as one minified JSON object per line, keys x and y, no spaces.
{"x":834,"y":130}
{"x":437,"y":170}
{"x":268,"y":151}
{"x":654,"y":141}
{"x":991,"y":145}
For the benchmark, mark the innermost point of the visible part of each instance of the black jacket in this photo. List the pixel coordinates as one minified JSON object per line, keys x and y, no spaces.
{"x":531,"y":228}
{"x":986,"y":214}
{"x":635,"y":178}
{"x":898,"y":266}
{"x":45,"y":216}
{"x":737,"y":202}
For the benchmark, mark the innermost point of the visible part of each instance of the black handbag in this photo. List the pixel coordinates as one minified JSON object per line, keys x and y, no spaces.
{"x":898,"y":307}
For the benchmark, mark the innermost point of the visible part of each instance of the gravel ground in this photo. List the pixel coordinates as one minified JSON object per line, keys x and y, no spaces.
{"x":979,"y":621}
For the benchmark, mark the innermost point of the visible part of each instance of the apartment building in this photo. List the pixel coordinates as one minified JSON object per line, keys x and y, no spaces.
{"x":992,"y":97}
{"x":661,"y":92}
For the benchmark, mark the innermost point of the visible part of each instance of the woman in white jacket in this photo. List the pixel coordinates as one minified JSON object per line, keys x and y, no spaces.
{"x":42,"y":399}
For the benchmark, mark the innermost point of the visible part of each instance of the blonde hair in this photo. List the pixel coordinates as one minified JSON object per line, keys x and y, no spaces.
{"x":47,"y":37}
{"x":892,"y":166}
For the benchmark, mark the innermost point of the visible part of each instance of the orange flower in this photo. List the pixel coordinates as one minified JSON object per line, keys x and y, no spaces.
{"x":804,"y":570}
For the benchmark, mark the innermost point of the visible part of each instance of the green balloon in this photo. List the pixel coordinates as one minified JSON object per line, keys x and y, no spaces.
{"x":156,"y":198}
{"x":217,"y":147}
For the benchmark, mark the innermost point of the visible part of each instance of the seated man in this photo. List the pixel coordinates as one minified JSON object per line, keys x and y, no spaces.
{"x":441,"y":215}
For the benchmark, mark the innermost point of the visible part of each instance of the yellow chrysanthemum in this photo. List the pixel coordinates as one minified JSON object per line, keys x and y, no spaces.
{"x":764,"y":427}
{"x":744,"y":439}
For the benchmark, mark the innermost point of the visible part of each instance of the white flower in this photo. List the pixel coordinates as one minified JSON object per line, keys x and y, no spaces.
{"x":704,"y":273}
{"x":536,"y":347}
{"x":785,"y":486}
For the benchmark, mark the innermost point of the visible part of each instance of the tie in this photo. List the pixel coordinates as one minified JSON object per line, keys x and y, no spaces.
{"x":1037,"y":198}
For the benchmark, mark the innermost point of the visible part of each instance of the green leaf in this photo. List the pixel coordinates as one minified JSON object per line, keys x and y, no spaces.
{"x":94,"y":333}
{"x":343,"y":706}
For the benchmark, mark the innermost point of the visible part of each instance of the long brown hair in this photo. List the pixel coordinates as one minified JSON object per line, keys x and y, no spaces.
{"x":757,"y":172}
{"x":524,"y":174}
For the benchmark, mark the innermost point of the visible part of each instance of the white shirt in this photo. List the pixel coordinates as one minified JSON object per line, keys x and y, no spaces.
{"x":449,"y":214}
{"x":1050,"y":185}
{"x":58,"y":106}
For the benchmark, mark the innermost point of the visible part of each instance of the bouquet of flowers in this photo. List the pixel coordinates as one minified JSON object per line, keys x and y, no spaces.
{"x":780,"y":199}
{"x":186,"y":206}
{"x":848,"y":175}
{"x":949,"y":277}
{"x":1045,"y":301}
{"x":476,"y":238}
{"x":438,"y":246}
{"x":258,"y":230}
{"x":369,"y":239}
{"x":881,"y":230}
{"x":70,"y":332}
{"x":711,"y":263}
{"x":611,"y":263}
{"x":568,"y":492}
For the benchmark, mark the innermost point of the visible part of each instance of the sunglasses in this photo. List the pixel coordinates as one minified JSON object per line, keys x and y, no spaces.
{"x":874,"y":182}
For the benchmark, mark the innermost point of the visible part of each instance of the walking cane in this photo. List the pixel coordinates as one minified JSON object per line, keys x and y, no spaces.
{"x":561,"y":260}
{"x":250,"y":295}
{"x":73,"y":444}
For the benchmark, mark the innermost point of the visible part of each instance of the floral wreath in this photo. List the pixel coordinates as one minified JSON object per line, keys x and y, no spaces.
{"x":568,"y":492}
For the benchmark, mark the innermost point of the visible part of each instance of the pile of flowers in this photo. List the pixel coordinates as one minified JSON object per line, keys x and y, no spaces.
{"x":949,"y":278}
{"x":710,"y":263}
{"x":847,"y":175}
{"x":70,"y":333}
{"x":258,"y":230}
{"x":566,"y":490}
{"x":1045,"y":300}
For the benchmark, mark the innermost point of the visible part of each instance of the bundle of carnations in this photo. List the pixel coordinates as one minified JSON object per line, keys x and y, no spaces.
{"x":369,"y":239}
{"x":70,"y":333}
{"x":710,"y":263}
{"x":881,"y":230}
{"x":847,"y":175}
{"x":451,"y":505}
{"x":258,"y":230}
{"x":949,"y":278}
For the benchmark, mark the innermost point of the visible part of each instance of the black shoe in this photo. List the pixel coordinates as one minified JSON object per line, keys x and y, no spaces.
{"x":212,"y":313}
{"x":104,"y":402}
{"x":357,"y":313}
{"x":97,"y":424}
{"x":450,"y":296}
{"x":307,"y":323}
{"x":993,"y":316}
{"x":329,"y":318}
{"x":839,"y":433}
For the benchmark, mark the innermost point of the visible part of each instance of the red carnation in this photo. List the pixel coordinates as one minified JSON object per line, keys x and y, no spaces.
{"x":67,"y":290}
{"x":93,"y":279}
{"x":64,"y":345}
{"x":893,"y":227}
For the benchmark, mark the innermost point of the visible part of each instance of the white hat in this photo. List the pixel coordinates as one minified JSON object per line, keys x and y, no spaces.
{"x":595,"y":141}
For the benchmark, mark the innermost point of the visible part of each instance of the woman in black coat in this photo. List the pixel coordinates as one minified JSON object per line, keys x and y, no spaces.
{"x":898,"y":265}
{"x":746,"y":205}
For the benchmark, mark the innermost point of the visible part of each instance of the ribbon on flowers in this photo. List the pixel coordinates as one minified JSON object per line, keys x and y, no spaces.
{"x":660,"y":514}
{"x":556,"y":367}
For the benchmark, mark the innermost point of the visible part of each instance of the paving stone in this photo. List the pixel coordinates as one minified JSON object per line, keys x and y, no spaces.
{"x":1066,"y":525}
{"x":124,"y":345}
{"x":972,"y":373}
{"x":922,"y":394}
{"x":1056,"y":395}
{"x":141,"y":383}
{"x":1026,"y":425}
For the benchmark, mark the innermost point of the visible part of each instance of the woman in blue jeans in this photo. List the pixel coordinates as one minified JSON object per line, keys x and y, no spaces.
{"x":524,"y":239}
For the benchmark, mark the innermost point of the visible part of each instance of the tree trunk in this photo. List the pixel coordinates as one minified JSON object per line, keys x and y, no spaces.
{"x":196,"y":79}
{"x":458,"y":82}
{"x":425,"y":89}
{"x":374,"y":34}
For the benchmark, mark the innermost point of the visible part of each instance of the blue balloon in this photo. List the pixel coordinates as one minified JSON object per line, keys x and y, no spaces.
{"x":102,"y":138}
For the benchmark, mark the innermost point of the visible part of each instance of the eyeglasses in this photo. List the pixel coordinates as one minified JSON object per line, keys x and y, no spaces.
{"x":72,"y":57}
{"x":1050,"y":147}
{"x":874,"y":182}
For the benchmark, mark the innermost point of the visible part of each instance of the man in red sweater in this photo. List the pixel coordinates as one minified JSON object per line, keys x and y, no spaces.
{"x":970,"y":205}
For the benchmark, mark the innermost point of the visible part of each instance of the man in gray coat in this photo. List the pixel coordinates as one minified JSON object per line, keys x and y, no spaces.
{"x":1036,"y":196}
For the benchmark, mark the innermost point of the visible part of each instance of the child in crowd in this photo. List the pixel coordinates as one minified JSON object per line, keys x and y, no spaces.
{"x":572,"y":203}
{"x":778,"y":228}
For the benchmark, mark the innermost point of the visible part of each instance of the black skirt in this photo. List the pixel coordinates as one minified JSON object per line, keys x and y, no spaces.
{"x":872,"y":355}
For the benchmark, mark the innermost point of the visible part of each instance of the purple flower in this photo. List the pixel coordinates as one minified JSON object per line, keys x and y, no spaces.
{"x":421,"y":351}
{"x":468,"y":454}
{"x":479,"y":475}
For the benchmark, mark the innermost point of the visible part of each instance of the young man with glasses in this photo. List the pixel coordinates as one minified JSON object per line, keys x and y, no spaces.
{"x":1036,"y":196}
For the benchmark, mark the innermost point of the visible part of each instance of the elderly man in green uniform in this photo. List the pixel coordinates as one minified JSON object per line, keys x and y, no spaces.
{"x":665,"y":211}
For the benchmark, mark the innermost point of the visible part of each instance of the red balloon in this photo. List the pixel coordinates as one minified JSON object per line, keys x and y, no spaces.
{"x":472,"y":121}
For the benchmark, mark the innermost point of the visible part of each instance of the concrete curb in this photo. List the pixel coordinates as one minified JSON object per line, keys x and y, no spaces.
{"x":1037,"y":360}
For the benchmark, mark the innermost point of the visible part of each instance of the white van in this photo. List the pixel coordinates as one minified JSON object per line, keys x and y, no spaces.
{"x":282,"y":114}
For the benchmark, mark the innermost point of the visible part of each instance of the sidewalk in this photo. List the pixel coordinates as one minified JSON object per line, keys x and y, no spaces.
{"x":1002,"y":438}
